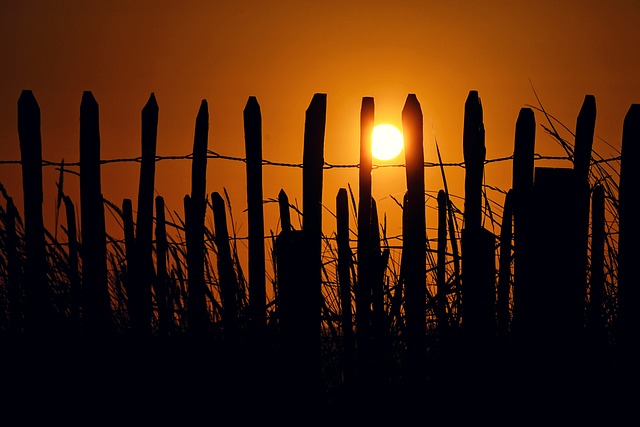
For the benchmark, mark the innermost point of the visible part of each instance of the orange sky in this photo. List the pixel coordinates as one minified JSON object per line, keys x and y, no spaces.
{"x":284,"y":52}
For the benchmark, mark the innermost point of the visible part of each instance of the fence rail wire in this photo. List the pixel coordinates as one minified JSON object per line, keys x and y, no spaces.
{"x":265,"y":162}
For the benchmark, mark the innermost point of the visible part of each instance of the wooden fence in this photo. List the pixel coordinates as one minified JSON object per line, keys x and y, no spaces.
{"x":554,"y":290}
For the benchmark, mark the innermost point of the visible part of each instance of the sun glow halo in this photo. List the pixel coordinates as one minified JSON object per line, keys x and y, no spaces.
{"x":386,"y":142}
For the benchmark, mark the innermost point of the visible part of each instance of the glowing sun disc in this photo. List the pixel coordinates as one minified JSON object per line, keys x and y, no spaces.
{"x":386,"y":142}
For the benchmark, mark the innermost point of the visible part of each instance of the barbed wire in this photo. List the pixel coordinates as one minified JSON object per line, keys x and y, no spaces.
{"x":265,"y":162}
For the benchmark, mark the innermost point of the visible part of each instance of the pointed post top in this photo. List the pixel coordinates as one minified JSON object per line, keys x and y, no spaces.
{"x":252,"y":108}
{"x":587,"y":112}
{"x":252,"y":104}
{"x":585,"y":127}
{"x":152,"y":103}
{"x":411,"y":103}
{"x":473,"y":132}
{"x":526,"y":115}
{"x":217,"y":200}
{"x":87,"y":97}
{"x":88,"y":103}
{"x":28,"y":111}
{"x":589,"y":102}
{"x":27,"y":98}
{"x":633,"y":114}
{"x":318,"y":102}
{"x":204,"y":107}
{"x":202,"y":120}
{"x":473,"y":109}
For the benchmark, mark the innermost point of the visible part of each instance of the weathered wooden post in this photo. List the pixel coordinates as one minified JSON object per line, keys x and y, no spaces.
{"x":312,"y":176}
{"x":226,"y":272}
{"x":585,"y":127}
{"x":293,"y":305}
{"x":285,"y":216}
{"x":195,"y":211}
{"x":344,"y":280}
{"x":39,"y":309}
{"x":415,"y":244}
{"x":97,"y":304}
{"x":363,"y":284}
{"x":478,"y":253}
{"x":628,"y":321}
{"x":257,"y":281}
{"x":522,"y":187}
{"x":144,"y":224}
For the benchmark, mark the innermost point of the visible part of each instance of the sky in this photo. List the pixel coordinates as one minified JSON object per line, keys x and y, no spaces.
{"x":283,"y":52}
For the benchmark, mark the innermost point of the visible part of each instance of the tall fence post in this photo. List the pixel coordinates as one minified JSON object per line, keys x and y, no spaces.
{"x":226,"y":272}
{"x":478,"y":262}
{"x":39,"y":304}
{"x":522,"y":186}
{"x":144,"y":223}
{"x":312,"y":176}
{"x":344,"y":280}
{"x":257,"y":282}
{"x":628,"y":321}
{"x":97,"y":304}
{"x":363,"y":283}
{"x":415,"y":245}
{"x":585,"y":126}
{"x":195,"y":206}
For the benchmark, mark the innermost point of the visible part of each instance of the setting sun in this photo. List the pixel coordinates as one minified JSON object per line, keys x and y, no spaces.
{"x":386,"y":142}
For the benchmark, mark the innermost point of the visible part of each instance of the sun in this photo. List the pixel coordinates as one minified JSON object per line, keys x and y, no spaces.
{"x":386,"y":142}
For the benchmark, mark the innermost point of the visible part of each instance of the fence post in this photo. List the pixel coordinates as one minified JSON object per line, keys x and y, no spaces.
{"x":226,"y":272}
{"x":415,"y":244}
{"x":97,"y":308}
{"x":195,"y":214}
{"x":474,"y":151}
{"x":522,"y":186}
{"x":144,"y":223}
{"x":478,"y":263}
{"x":344,"y":280}
{"x":364,"y":282}
{"x":581,"y":163}
{"x":628,"y":322}
{"x":312,"y":171}
{"x":285,"y":216}
{"x":257,"y":281}
{"x":38,"y":297}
